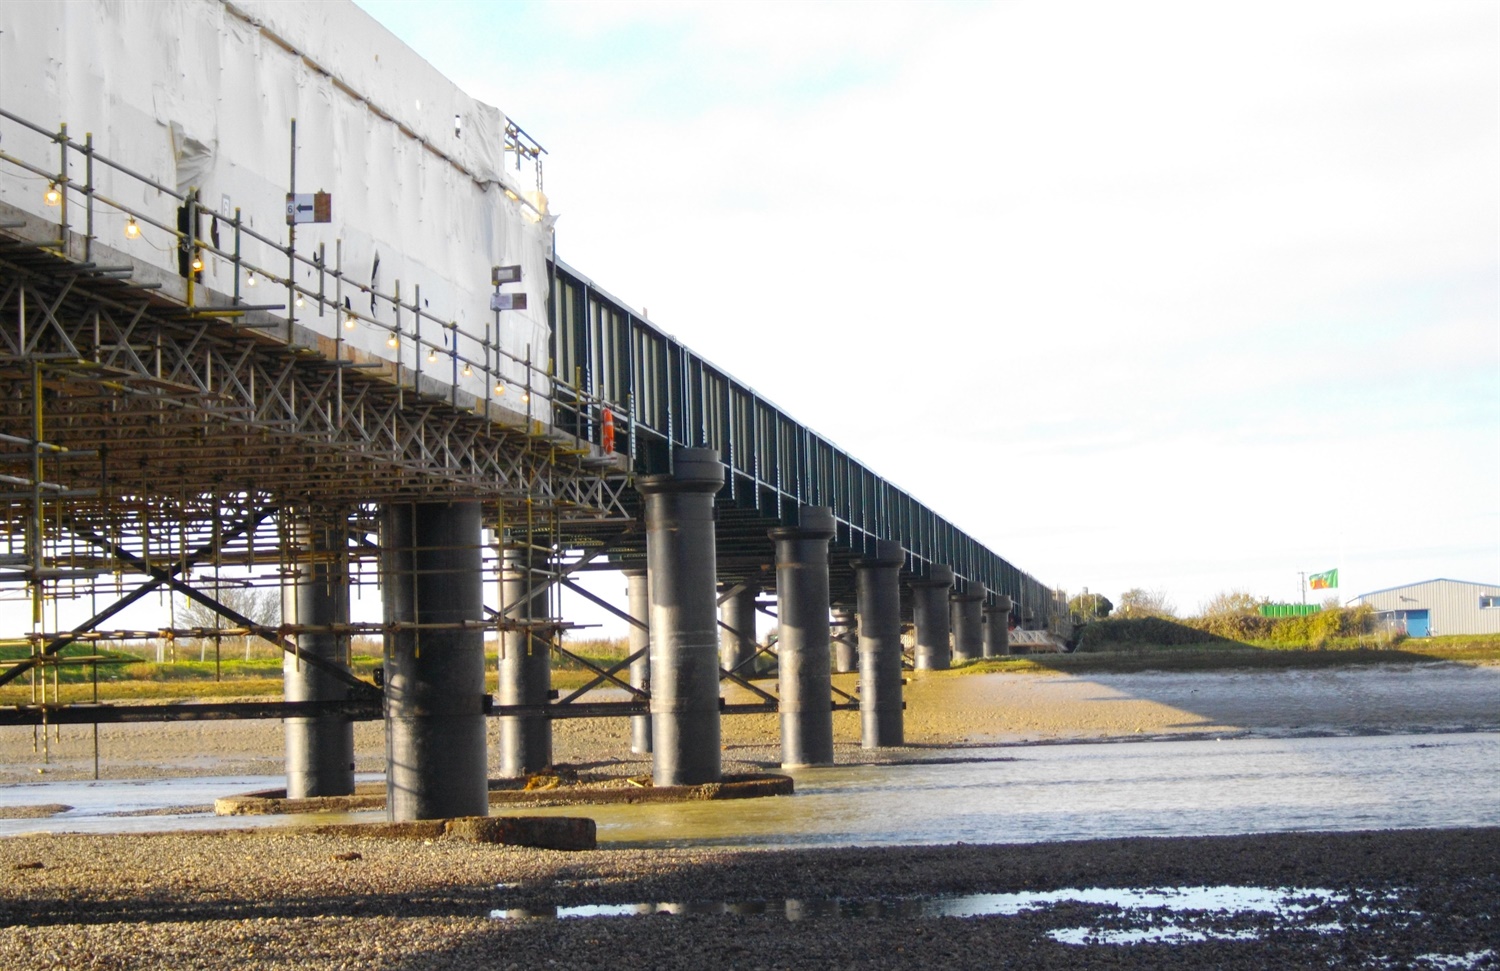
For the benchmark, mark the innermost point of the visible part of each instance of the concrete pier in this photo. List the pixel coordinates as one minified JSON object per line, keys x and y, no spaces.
{"x":803,"y":637}
{"x":845,"y":641}
{"x":434,"y":677}
{"x":968,"y":622}
{"x":319,"y":751}
{"x":638,"y":596}
{"x":997,"y":627}
{"x":680,"y":562}
{"x":737,"y":644}
{"x":930,"y":615}
{"x":878,"y":598}
{"x":525,"y":662}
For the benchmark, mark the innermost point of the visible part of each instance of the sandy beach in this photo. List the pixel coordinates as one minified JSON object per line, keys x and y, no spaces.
{"x":281,"y":900}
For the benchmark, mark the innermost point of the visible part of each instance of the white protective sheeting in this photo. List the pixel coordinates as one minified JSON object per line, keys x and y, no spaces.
{"x":201,"y":93}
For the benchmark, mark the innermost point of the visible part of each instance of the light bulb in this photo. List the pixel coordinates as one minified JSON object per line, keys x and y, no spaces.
{"x":348,"y":318}
{"x":197,"y":264}
{"x":468,"y":371}
{"x":298,"y":304}
{"x":525,"y":395}
{"x":53,"y":196}
{"x":250,"y":279}
{"x":132,"y":228}
{"x":432,"y":356}
{"x":499,"y":388}
{"x":391,"y":341}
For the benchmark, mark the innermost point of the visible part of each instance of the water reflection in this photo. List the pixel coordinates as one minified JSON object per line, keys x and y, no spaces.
{"x":1064,"y":792}
{"x":1128,"y":915}
{"x":999,"y":795}
{"x":152,"y":805}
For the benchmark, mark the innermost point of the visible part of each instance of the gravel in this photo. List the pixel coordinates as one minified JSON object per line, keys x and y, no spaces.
{"x":279,"y":899}
{"x":237,"y":899}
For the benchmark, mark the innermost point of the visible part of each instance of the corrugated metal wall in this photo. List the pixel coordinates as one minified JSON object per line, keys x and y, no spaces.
{"x":1453,"y":605}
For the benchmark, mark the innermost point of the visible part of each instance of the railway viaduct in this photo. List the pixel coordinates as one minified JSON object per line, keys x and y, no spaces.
{"x":267,"y":319}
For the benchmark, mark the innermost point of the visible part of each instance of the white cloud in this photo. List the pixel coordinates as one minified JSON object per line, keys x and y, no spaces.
{"x":1177,"y":262}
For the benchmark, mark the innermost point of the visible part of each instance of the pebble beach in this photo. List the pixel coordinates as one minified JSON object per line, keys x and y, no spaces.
{"x":1410,"y":899}
{"x":282,"y":899}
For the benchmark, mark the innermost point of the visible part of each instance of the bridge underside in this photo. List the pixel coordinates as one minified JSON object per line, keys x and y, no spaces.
{"x":157,"y":438}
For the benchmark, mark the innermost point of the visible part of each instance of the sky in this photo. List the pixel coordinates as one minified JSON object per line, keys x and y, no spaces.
{"x":1178,"y":296}
{"x":1186,"y":297}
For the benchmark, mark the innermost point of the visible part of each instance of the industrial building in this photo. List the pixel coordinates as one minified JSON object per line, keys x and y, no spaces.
{"x":1439,"y":606}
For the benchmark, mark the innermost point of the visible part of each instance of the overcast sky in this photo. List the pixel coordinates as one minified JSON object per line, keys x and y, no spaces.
{"x":1188,"y":296}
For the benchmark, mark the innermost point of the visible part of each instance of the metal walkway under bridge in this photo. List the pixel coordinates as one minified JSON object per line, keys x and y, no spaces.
{"x":210,"y":430}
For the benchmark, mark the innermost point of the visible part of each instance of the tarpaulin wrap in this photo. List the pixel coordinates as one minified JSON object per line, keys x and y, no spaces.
{"x":201,"y":93}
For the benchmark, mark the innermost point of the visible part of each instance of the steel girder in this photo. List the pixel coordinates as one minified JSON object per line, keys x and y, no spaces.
{"x":180,"y":404}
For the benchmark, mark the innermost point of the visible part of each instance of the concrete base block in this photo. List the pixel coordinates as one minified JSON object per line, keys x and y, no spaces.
{"x":542,"y":832}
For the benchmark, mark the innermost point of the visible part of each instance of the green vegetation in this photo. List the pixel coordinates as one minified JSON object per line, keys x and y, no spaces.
{"x":129,"y":676}
{"x":1240,"y":623}
{"x":1232,"y":634}
{"x":1230,"y":655}
{"x":1088,"y":607}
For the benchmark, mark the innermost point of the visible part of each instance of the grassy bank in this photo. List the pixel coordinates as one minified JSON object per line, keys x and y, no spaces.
{"x":133,"y":678}
{"x":125,"y":676}
{"x":1220,"y":655}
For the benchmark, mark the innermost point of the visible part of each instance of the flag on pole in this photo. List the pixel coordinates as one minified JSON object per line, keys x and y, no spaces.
{"x":1324,"y":581}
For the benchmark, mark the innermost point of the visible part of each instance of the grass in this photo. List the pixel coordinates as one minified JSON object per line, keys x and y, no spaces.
{"x":131,"y":677}
{"x":136,"y":679}
{"x":1229,"y":655}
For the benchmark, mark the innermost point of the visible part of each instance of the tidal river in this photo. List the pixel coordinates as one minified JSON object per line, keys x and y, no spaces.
{"x":1002,"y":794}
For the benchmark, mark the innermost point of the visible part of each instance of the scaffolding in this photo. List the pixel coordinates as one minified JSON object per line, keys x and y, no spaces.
{"x":161,"y":437}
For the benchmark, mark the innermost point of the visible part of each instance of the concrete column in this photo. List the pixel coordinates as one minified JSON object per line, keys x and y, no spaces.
{"x":878,"y":597}
{"x":680,"y":563}
{"x":737,"y":645}
{"x":803,"y":637}
{"x":638,"y":594}
{"x":930,"y":615}
{"x":997,"y":627}
{"x":319,"y":751}
{"x":845,"y":641}
{"x":525,"y":662}
{"x":434,"y":678}
{"x":968,"y":622}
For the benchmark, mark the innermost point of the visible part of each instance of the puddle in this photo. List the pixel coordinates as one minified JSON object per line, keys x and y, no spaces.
{"x":1454,"y":962}
{"x":141,"y":805}
{"x":1158,"y":915}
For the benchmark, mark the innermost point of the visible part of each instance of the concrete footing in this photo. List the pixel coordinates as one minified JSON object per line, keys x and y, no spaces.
{"x":878,"y":599}
{"x":434,"y":675}
{"x":930,"y":616}
{"x":319,"y":751}
{"x":802,"y":640}
{"x":680,"y":559}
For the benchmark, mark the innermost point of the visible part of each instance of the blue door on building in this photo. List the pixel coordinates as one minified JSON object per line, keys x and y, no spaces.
{"x":1415,"y":622}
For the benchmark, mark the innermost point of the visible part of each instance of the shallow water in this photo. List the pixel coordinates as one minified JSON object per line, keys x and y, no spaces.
{"x":1084,"y":791}
{"x":1019,"y":794}
{"x":1124,"y":915}
{"x":97,"y":807}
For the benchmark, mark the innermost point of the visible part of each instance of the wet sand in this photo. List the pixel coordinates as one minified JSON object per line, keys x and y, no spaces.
{"x":943,"y":709}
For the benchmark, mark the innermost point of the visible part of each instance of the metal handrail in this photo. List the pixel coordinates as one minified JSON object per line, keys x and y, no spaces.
{"x":496,"y":360}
